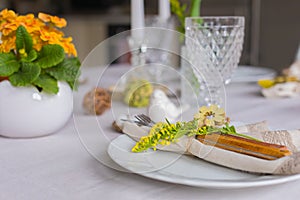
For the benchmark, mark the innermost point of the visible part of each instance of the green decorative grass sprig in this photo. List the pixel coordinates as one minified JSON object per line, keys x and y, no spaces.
{"x":167,"y":133}
{"x":182,"y":10}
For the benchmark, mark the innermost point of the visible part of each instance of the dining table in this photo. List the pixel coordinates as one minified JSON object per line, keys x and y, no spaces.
{"x":73,"y":163}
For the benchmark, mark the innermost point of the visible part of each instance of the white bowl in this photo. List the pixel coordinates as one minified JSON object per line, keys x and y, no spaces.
{"x":26,"y":112}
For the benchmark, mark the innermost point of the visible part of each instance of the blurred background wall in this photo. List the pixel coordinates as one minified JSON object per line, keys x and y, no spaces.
{"x":272,"y":26}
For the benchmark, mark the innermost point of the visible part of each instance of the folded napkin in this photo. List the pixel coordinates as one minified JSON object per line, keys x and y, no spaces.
{"x":287,"y":85}
{"x":293,"y":70}
{"x":287,"y":89}
{"x":189,"y":145}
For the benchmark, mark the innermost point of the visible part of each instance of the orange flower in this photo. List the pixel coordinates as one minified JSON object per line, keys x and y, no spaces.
{"x":58,"y":22}
{"x":52,"y":29}
{"x":43,"y":30}
{"x":69,"y":48}
{"x":26,"y":19}
{"x":50,"y":37}
{"x":8,"y":28}
{"x":44,"y":17}
{"x":29,"y":22}
{"x":8,"y":15}
{"x":37,"y":42}
{"x":8,"y":43}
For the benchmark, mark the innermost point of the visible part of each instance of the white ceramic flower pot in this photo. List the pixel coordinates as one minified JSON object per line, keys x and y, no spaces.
{"x":26,"y":112}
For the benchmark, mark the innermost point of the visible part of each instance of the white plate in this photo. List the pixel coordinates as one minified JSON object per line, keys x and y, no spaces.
{"x":186,"y":170}
{"x":252,"y":74}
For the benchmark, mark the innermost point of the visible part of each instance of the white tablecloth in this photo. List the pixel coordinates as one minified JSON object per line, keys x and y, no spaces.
{"x":64,"y":165}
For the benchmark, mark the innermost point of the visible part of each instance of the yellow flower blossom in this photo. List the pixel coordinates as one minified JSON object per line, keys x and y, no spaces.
{"x":25,"y":19}
{"x":22,"y":51}
{"x":50,"y":37}
{"x":267,"y":83}
{"x":44,"y":17}
{"x":32,"y":24}
{"x":69,"y":48}
{"x":210,"y":116}
{"x":161,"y":133}
{"x":8,"y":43}
{"x":58,"y":22}
{"x":44,"y":30}
{"x":8,"y":28}
{"x":8,"y":15}
{"x":38,"y":43}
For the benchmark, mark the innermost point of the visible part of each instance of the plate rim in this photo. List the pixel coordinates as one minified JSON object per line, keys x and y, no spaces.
{"x":206,"y":183}
{"x":270,"y":74}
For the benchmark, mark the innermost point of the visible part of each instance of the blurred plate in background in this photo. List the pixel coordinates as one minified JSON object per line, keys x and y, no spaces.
{"x":252,"y":74}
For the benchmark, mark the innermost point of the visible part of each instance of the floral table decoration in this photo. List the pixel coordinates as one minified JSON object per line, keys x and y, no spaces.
{"x":211,"y":136}
{"x":38,"y":71}
{"x":189,"y":82}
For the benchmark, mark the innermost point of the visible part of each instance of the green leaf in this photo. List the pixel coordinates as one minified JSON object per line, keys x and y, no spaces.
{"x":187,"y":128}
{"x":47,"y":83}
{"x":245,"y":136}
{"x":68,"y":71}
{"x":8,"y":64}
{"x":232,"y":129}
{"x":23,"y":39}
{"x":32,"y":55}
{"x":50,"y":55}
{"x":73,"y":84}
{"x":29,"y":72}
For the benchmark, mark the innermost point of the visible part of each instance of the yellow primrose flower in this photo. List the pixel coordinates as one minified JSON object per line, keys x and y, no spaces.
{"x":37,"y":42}
{"x":8,"y":28}
{"x":25,"y":19}
{"x":210,"y":116}
{"x":58,"y":22}
{"x":43,"y":30}
{"x":7,"y":15}
{"x":8,"y":43}
{"x":50,"y":37}
{"x":68,"y":46}
{"x":44,"y":17}
{"x":32,"y":24}
{"x":24,"y":38}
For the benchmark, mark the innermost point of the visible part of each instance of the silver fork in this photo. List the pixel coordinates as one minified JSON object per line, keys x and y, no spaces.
{"x":144,"y":120}
{"x":140,"y":123}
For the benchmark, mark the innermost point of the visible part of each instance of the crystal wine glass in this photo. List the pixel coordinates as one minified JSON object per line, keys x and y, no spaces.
{"x":214,"y":46}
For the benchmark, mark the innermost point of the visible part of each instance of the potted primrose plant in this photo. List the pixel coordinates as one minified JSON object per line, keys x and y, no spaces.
{"x":38,"y":71}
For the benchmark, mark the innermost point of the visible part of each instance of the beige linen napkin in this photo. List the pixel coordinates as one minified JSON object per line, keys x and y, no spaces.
{"x":285,"y":89}
{"x":189,"y":145}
